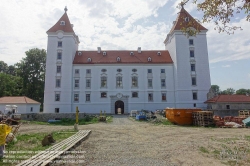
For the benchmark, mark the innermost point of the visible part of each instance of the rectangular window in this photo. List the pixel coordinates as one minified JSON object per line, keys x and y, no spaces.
{"x":88,"y":71}
{"x":87,"y":97}
{"x":59,"y":44}
{"x":194,"y":95}
{"x":192,"y":67}
{"x":103,"y":95}
{"x":150,"y":83}
{"x":103,"y":82}
{"x":88,"y":83}
{"x":57,"y":97}
{"x":191,"y":53}
{"x":163,"y":83}
{"x":76,"y":71}
{"x":59,"y":55}
{"x":150,"y":97}
{"x":162,"y":70}
{"x":76,"y":83}
{"x":31,"y":109}
{"x":134,"y":94}
{"x":149,"y":70}
{"x":194,"y":104}
{"x":58,"y":69}
{"x":57,"y":110}
{"x":228,"y":107}
{"x":134,"y":81}
{"x":193,"y":80}
{"x":191,"y":42}
{"x":163,"y":96}
{"x":76,"y":97}
{"x":58,"y":83}
{"x":119,"y":81}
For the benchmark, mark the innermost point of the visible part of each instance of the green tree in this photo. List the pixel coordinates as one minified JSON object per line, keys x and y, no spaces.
{"x":10,"y":85}
{"x":216,"y":89}
{"x":221,"y":12}
{"x":3,"y":67}
{"x":228,"y":91}
{"x":243,"y":91}
{"x":11,"y":70}
{"x":32,"y":70}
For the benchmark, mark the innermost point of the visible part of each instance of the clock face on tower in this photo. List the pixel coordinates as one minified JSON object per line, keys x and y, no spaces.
{"x":119,"y":95}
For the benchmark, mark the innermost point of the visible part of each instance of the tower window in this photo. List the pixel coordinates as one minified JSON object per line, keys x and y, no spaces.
{"x":191,"y":53}
{"x":192,"y":67}
{"x":191,"y":42}
{"x":59,"y":55}
{"x":59,"y":44}
{"x":193,"y":80}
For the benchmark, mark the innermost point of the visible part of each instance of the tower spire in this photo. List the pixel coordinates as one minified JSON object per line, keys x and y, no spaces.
{"x":65,"y":9}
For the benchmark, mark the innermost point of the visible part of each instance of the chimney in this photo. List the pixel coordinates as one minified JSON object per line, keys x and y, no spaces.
{"x":139,"y":50}
{"x":98,"y":50}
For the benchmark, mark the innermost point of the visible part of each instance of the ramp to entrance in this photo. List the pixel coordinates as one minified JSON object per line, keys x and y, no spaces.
{"x":45,"y":157}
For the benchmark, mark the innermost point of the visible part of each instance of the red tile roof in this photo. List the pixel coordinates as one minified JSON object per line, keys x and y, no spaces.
{"x":180,"y":22}
{"x":17,"y":100}
{"x":111,"y":57}
{"x":229,"y":99}
{"x":66,"y":28}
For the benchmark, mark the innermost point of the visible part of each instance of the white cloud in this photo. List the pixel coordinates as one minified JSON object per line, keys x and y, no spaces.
{"x":226,"y":66}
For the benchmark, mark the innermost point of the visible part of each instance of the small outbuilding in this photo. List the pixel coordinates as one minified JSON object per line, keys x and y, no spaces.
{"x":24,"y":104}
{"x":229,"y":102}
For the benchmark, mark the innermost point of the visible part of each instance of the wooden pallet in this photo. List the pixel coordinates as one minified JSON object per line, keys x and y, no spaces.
{"x":46,"y":157}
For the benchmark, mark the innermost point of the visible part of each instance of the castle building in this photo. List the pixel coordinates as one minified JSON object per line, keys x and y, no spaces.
{"x":119,"y":81}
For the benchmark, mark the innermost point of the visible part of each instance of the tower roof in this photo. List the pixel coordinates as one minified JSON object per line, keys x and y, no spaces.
{"x":184,"y":19}
{"x":65,"y":27}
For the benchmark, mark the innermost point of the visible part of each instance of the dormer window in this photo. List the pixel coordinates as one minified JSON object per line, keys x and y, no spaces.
{"x":131,"y":53}
{"x":62,"y":23}
{"x":186,"y":19}
{"x":104,"y":53}
{"x":118,"y":59}
{"x":79,"y":53}
{"x":149,"y":59}
{"x":89,"y":59}
{"x":159,"y":53}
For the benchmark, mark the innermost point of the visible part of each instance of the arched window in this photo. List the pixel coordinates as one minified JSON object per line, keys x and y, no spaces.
{"x":149,"y":59}
{"x":89,"y":59}
{"x":118,"y":59}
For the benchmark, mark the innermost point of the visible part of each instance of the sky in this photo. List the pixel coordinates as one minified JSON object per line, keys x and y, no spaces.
{"x":122,"y":24}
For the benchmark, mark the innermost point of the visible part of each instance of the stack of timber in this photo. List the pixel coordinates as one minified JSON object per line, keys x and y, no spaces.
{"x":244,"y":113}
{"x":203,"y":118}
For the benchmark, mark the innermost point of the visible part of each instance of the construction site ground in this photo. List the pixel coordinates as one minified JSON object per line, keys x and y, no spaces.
{"x":129,"y":142}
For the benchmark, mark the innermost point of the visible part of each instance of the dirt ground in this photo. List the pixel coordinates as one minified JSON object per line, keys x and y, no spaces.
{"x":128,"y":142}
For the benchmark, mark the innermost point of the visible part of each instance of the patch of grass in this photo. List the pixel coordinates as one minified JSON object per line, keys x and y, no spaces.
{"x":203,"y":149}
{"x":217,"y":152}
{"x":28,"y":145}
{"x":167,"y":122}
{"x":247,"y":137}
{"x":109,"y":119}
{"x":34,"y":122}
{"x":84,"y":121}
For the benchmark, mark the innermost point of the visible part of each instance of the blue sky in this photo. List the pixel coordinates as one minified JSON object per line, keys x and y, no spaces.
{"x":121,"y":24}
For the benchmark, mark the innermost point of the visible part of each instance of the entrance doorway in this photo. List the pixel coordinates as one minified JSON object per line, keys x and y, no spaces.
{"x":119,"y":107}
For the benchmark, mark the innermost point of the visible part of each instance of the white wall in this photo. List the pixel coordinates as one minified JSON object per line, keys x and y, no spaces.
{"x":23,"y":108}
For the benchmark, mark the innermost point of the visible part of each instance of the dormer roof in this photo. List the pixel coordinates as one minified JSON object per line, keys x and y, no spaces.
{"x":181,"y":22}
{"x":67,"y":27}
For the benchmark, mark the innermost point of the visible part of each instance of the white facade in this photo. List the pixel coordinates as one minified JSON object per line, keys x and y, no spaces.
{"x":97,"y":85}
{"x":24,"y":108}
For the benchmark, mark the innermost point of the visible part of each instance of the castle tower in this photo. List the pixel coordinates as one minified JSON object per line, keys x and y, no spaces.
{"x":191,"y":66}
{"x":61,"y":49}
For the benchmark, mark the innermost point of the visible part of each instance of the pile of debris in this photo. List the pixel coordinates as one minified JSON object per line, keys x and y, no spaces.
{"x":243,"y":120}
